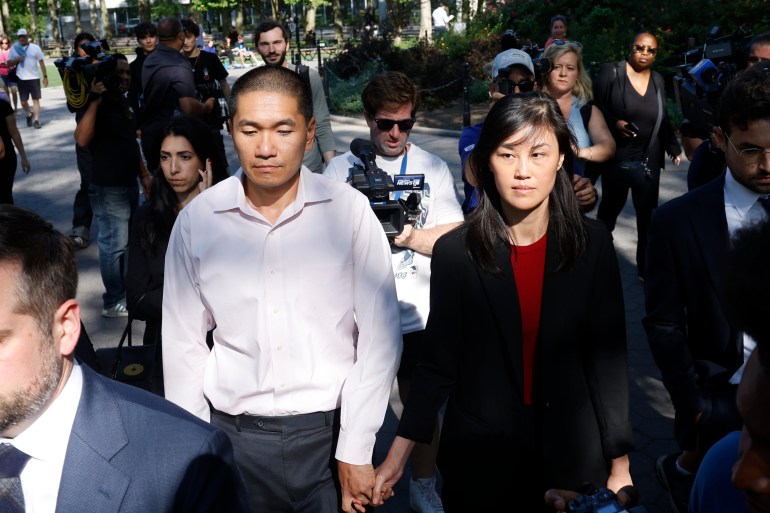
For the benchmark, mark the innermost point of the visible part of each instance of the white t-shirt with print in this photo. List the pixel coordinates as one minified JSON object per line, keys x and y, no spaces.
{"x":29,"y":69}
{"x":440,"y":204}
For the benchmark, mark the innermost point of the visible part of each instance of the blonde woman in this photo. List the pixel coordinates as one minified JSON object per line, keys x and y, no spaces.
{"x":569,"y":84}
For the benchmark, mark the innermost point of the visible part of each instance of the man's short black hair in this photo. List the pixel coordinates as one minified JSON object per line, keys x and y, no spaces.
{"x":49,"y":274}
{"x":145,"y":29}
{"x":83,"y":36}
{"x":746,"y":98}
{"x":169,"y":29}
{"x":274,"y":79}
{"x":267,"y":26}
{"x":760,"y":39}
{"x":190,"y":28}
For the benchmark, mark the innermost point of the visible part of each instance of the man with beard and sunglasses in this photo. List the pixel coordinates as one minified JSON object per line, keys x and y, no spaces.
{"x":512,"y":72}
{"x":390,"y":102}
{"x":272,"y":42}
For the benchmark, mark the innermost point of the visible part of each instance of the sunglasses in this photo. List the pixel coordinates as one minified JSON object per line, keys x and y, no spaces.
{"x":506,"y":86}
{"x":645,"y":49}
{"x":562,"y":42}
{"x":386,"y":125}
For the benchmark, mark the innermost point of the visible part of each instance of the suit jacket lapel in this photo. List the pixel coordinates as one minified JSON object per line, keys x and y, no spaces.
{"x":89,"y":481}
{"x":710,"y":227}
{"x":504,"y":305}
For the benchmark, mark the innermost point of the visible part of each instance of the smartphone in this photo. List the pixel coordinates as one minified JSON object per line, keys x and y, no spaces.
{"x":632,"y":126}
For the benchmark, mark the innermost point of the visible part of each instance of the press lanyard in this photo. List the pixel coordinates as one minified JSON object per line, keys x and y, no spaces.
{"x":403,"y":172}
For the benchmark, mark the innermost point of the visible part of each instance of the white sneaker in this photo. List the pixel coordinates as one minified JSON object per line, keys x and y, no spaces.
{"x":423,"y":497}
{"x":117,"y":310}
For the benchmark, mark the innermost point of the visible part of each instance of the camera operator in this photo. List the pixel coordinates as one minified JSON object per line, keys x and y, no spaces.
{"x":210,"y":81}
{"x":390,"y":101}
{"x":108,"y":130}
{"x":82,"y":215}
{"x":707,"y":161}
{"x":169,"y":87}
{"x":512,"y":71}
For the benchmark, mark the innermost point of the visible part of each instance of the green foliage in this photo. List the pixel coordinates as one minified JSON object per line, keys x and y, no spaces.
{"x":165,"y":8}
{"x":345,"y":94}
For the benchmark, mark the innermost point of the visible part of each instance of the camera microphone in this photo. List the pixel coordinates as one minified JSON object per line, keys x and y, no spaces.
{"x":363,"y":149}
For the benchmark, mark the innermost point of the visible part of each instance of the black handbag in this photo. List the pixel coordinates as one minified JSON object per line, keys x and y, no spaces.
{"x":130,"y":364}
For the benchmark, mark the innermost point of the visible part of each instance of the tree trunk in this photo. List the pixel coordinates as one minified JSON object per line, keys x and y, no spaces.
{"x":274,"y":7}
{"x":473,"y":7}
{"x":338,"y":34}
{"x":144,"y":10}
{"x":106,"y":21}
{"x":6,"y":15}
{"x":426,"y":20}
{"x":310,"y":18}
{"x":2,"y":22}
{"x":54,"y":14}
{"x":93,"y":15}
{"x":239,"y":19}
{"x":78,"y":23}
{"x":227,"y":22}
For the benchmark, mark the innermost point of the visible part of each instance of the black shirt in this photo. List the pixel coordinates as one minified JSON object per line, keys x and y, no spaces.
{"x":208,"y":71}
{"x":114,"y":148}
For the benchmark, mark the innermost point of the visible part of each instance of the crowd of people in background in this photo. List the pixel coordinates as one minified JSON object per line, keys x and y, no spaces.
{"x":282,"y":313}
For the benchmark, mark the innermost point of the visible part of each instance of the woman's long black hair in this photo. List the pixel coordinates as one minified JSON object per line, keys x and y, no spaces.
{"x":156,"y":228}
{"x":527,"y":114}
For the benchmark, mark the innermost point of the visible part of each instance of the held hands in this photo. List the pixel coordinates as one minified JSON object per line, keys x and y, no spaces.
{"x":206,"y":177}
{"x":356,"y":482}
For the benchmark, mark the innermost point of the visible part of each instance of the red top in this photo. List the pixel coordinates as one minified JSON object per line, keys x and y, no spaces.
{"x":528,"y":268}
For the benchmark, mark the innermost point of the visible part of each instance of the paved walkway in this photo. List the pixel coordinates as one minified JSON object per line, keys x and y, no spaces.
{"x":51,"y":185}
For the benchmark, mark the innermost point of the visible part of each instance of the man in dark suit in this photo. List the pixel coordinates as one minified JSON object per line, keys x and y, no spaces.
{"x":73,"y":440}
{"x":700,"y":354}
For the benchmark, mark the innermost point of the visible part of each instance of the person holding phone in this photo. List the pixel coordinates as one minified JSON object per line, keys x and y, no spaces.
{"x":632,"y":98}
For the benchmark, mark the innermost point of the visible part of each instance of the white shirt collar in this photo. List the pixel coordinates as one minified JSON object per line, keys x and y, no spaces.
{"x":738,"y":196}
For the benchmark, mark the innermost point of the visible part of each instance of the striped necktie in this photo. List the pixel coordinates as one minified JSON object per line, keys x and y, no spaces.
{"x":12,"y":462}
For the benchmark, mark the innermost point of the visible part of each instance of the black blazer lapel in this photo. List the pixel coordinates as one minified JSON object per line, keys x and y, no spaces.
{"x":709,"y":225}
{"x":504,"y":304}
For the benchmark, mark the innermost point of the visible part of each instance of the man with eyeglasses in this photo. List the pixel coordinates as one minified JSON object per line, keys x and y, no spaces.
{"x":700,"y":353}
{"x":512,"y":72}
{"x":26,"y":55}
{"x":390,"y":102}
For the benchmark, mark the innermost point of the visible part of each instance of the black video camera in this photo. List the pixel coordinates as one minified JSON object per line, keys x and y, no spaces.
{"x":705,"y":73}
{"x":211,"y":88}
{"x":77,"y":73}
{"x":600,"y":501}
{"x":377,"y":185}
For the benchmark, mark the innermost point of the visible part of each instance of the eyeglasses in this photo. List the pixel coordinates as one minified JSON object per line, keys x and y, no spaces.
{"x":755,"y":59}
{"x":564,"y":42}
{"x":386,"y":125}
{"x":750,"y":156}
{"x":5,"y":42}
{"x":645,"y":49}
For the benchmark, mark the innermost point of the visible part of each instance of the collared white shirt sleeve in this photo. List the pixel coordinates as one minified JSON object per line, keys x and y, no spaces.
{"x":46,"y":441}
{"x":305,"y":309}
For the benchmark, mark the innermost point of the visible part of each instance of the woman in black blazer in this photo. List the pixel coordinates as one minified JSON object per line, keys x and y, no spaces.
{"x":188,"y":165}
{"x":526,"y":332}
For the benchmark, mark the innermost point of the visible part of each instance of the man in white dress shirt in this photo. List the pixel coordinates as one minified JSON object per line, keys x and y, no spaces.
{"x":292,"y":271}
